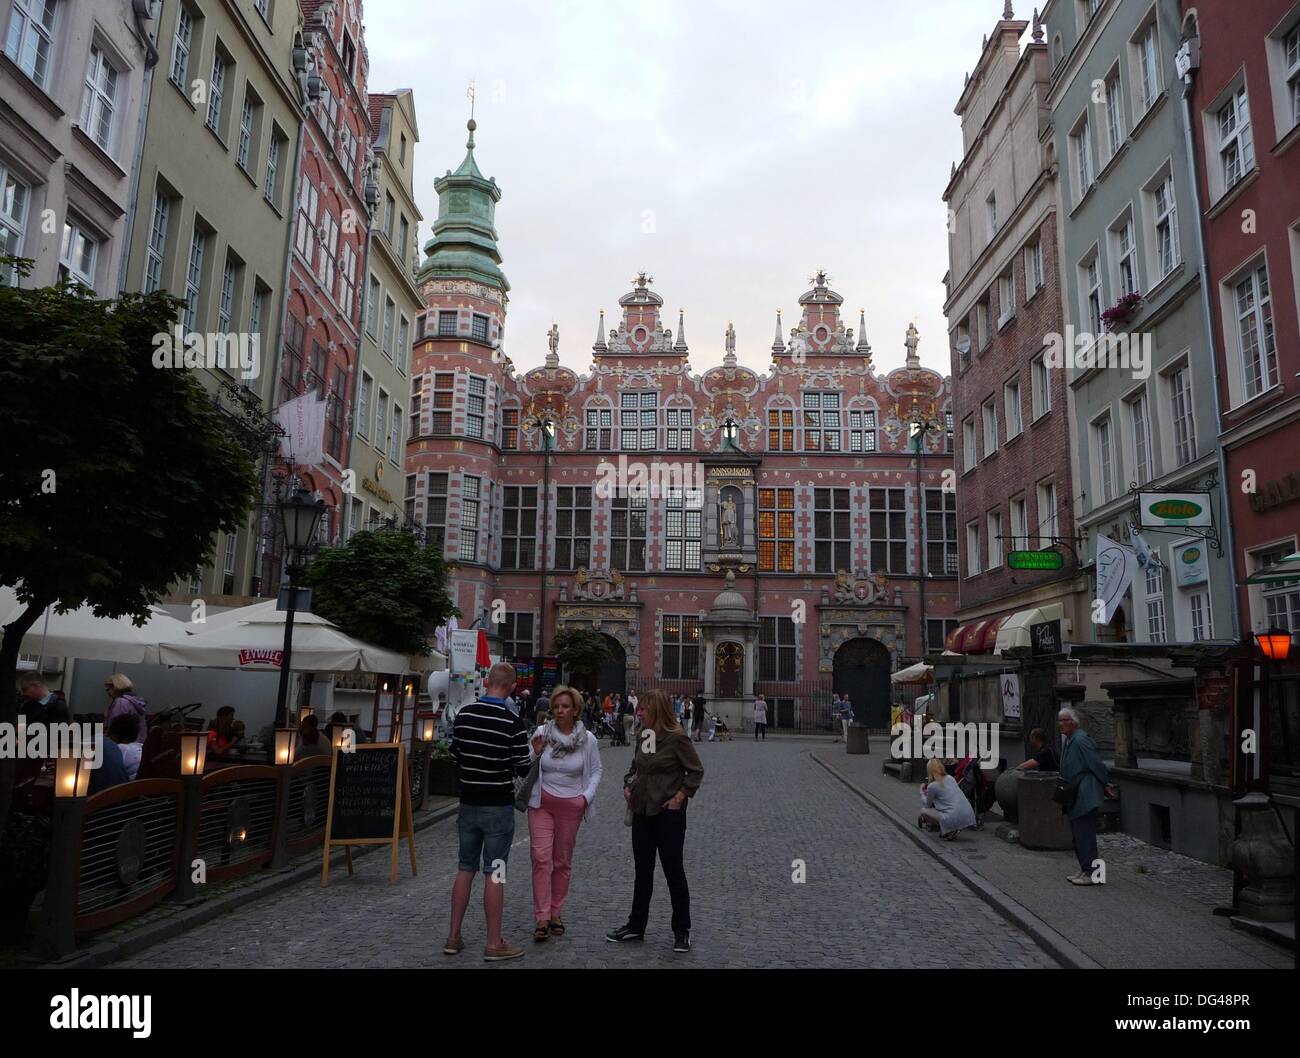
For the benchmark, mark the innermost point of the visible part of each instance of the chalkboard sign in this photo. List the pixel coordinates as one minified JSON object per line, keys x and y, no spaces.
{"x":370,"y":802}
{"x":1045,"y":637}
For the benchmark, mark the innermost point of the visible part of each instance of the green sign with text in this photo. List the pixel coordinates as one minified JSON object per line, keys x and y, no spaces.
{"x":1035,"y":559}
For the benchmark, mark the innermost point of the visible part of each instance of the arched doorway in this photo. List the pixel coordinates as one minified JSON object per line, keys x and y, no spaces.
{"x":613,"y":674}
{"x":729,"y":677}
{"x":861,"y":670}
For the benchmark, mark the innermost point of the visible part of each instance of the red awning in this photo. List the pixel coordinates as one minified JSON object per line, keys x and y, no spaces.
{"x":958,"y":636}
{"x":986,"y":636}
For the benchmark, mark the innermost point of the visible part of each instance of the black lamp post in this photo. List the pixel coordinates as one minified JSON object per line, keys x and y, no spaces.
{"x":300,"y":515}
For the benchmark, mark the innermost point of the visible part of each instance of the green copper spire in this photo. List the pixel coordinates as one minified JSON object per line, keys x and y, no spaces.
{"x":464,"y":243}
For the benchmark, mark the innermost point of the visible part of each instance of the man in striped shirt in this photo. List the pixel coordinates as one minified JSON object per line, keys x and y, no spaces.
{"x":490,"y":746}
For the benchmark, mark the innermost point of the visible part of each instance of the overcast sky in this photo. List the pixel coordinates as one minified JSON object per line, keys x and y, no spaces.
{"x":728,"y":148}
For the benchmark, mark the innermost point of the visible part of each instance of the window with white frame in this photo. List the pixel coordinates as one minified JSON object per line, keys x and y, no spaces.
{"x":1041,"y":386}
{"x":1081,"y":151}
{"x":1291,"y":71}
{"x":600,"y":422}
{"x":228,"y":564}
{"x":940,"y":532}
{"x":968,"y":454}
{"x":638,"y":420}
{"x":372,"y":307}
{"x":1091,"y":289}
{"x":14,"y":196}
{"x":329,"y":249}
{"x":435,"y":512}
{"x":475,"y":406}
{"x":991,"y":211}
{"x":1155,"y":602}
{"x":1165,"y":214}
{"x":226,"y":302}
{"x":1103,"y":447}
{"x":887,"y":523}
{"x":1048,"y":530}
{"x":1125,"y":257}
{"x":181,"y":42}
{"x":1202,"y":620}
{"x":243,"y":154}
{"x":403,"y":237}
{"x":1019,"y":524}
{"x":100,"y":99}
{"x":821,"y":422}
{"x":395,"y":434}
{"x":273,"y":169}
{"x":628,"y":521}
{"x":572,"y":526}
{"x":390,"y":206}
{"x":1011,"y":398}
{"x":947,"y":432}
{"x":305,"y":235}
{"x":989,"y":414}
{"x":1006,"y":297}
{"x":363,"y":405}
{"x":678,"y":433}
{"x":194,"y":276}
{"x":381,"y":419}
{"x":78,"y":253}
{"x":680,"y":657}
{"x":982,"y":330}
{"x":862,"y":430}
{"x":972,"y":548}
{"x":347,"y":279}
{"x":1114,"y":115}
{"x":1256,"y":341}
{"x":995,"y":539}
{"x":403,"y":344}
{"x":1140,"y":425}
{"x":1181,"y":415}
{"x":517,"y":635}
{"x":1033,"y":267}
{"x":683,"y":521}
{"x":469,"y":518}
{"x":776,"y":530}
{"x":1147,"y":48}
{"x":216,"y":91}
{"x":155,"y":253}
{"x":30,"y":40}
{"x":1281,"y":598}
{"x":390,"y":327}
{"x":1236,"y":144}
{"x":832,"y":530}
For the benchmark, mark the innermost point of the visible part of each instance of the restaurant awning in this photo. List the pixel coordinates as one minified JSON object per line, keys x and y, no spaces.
{"x":1015,"y":629}
{"x":918,"y":673}
{"x":1284,"y":569}
{"x":975,"y":637}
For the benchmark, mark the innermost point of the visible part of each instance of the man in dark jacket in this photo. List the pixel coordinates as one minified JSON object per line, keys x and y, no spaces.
{"x":42,"y":705}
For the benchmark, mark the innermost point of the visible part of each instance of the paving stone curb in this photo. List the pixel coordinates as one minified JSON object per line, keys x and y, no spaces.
{"x":1057,"y":946}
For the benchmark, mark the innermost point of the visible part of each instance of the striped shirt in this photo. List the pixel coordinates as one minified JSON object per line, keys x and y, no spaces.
{"x":490,"y":746}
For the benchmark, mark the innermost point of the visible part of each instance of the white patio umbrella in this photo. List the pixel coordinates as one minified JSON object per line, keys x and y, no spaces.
{"x":257,"y":645}
{"x":80,"y":634}
{"x":918,"y":673}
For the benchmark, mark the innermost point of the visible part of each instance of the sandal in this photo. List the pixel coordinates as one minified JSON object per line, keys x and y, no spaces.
{"x":557,"y":928}
{"x":540,"y":933}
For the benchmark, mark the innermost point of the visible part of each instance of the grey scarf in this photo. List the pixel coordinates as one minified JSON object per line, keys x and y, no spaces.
{"x":562,"y":744}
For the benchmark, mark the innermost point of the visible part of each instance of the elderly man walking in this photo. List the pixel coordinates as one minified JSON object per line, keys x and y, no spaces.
{"x":489,"y":743}
{"x":1082,"y":767}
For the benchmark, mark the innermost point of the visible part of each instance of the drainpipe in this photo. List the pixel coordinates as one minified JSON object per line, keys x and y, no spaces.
{"x":547,"y":426}
{"x":1203,"y":265}
{"x":920,"y":535}
{"x":142,"y":14}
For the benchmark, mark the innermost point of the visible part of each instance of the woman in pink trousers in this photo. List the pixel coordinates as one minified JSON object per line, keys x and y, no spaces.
{"x":561,"y":799}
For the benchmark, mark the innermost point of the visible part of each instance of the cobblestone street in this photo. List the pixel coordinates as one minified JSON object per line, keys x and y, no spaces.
{"x":871,"y":897}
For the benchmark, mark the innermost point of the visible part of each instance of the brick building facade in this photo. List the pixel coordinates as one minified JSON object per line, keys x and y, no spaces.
{"x":786,"y":549}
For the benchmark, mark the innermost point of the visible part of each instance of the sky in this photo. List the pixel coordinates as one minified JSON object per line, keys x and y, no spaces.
{"x":730,"y":149}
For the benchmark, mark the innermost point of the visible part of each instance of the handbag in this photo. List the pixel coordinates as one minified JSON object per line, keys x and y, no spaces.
{"x":524,"y":786}
{"x":1065,"y":792}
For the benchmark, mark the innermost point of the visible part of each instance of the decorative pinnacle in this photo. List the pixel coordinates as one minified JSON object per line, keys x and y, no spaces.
{"x":1038,"y":27}
{"x":1007,"y":13}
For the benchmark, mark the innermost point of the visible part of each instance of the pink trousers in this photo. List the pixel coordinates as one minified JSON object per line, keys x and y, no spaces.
{"x":553,"y":830}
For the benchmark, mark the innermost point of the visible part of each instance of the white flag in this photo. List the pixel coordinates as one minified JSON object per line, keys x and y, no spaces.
{"x":303,"y":420}
{"x":1145,"y":556}
{"x":1116,"y":566}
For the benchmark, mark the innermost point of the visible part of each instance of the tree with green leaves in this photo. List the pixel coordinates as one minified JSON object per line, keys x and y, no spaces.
{"x":383,"y":587}
{"x":116,"y":475}
{"x":581,"y":650}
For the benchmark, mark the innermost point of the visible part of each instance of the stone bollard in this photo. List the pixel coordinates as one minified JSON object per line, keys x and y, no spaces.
{"x":1007,"y":792}
{"x":1265,"y":858}
{"x":857,"y":741}
{"x":1042,"y":823}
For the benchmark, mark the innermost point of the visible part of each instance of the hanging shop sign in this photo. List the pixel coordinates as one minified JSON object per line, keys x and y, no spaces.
{"x":1035,"y":559}
{"x":1162,"y":509}
{"x":1190,"y":564}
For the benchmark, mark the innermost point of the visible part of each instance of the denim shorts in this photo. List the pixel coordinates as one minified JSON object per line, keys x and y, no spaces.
{"x":486,"y":832}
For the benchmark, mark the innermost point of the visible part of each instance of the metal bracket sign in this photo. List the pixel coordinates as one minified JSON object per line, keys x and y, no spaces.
{"x":1035,"y":560}
{"x":1176,"y":510}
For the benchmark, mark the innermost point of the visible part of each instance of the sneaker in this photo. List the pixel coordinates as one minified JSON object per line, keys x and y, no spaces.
{"x":502,"y":954}
{"x":682,"y":941}
{"x":624,"y":934}
{"x":453,"y":947}
{"x":1082,"y":879}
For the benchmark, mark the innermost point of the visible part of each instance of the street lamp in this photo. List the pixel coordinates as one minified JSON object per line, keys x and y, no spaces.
{"x":1275,"y":644}
{"x":300,"y":515}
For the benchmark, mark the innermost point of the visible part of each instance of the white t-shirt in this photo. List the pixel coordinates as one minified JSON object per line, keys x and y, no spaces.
{"x":131,"y":757}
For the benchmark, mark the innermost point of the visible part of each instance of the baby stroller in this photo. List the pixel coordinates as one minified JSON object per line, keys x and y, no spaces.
{"x":718,"y":729}
{"x":609,"y":728}
{"x":978,"y":790}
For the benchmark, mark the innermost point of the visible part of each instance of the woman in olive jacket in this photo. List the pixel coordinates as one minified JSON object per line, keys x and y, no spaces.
{"x":665,"y":772}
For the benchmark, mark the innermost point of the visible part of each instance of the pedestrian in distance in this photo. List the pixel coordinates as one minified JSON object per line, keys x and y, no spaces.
{"x":1041,"y":757}
{"x":1083,"y":774}
{"x":760,"y":718}
{"x":665,"y":772}
{"x":568,"y":775}
{"x":698,"y":716}
{"x":122,"y":699}
{"x":40,"y":704}
{"x":489,"y":744}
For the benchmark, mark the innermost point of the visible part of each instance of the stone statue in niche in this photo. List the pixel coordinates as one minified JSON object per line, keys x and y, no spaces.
{"x":728,"y":519}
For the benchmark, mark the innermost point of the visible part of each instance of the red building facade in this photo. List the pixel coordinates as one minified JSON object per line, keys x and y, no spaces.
{"x":733,"y":531}
{"x":1246,"y":129}
{"x":321,"y":348}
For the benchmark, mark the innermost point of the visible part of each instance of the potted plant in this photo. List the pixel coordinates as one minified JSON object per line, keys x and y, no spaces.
{"x":24,"y":859}
{"x":1119,"y":313}
{"x":442,"y":770}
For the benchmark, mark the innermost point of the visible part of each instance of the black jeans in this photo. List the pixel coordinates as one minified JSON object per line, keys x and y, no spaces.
{"x":760,"y":729}
{"x":665,"y":834}
{"x":1084,"y":832}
